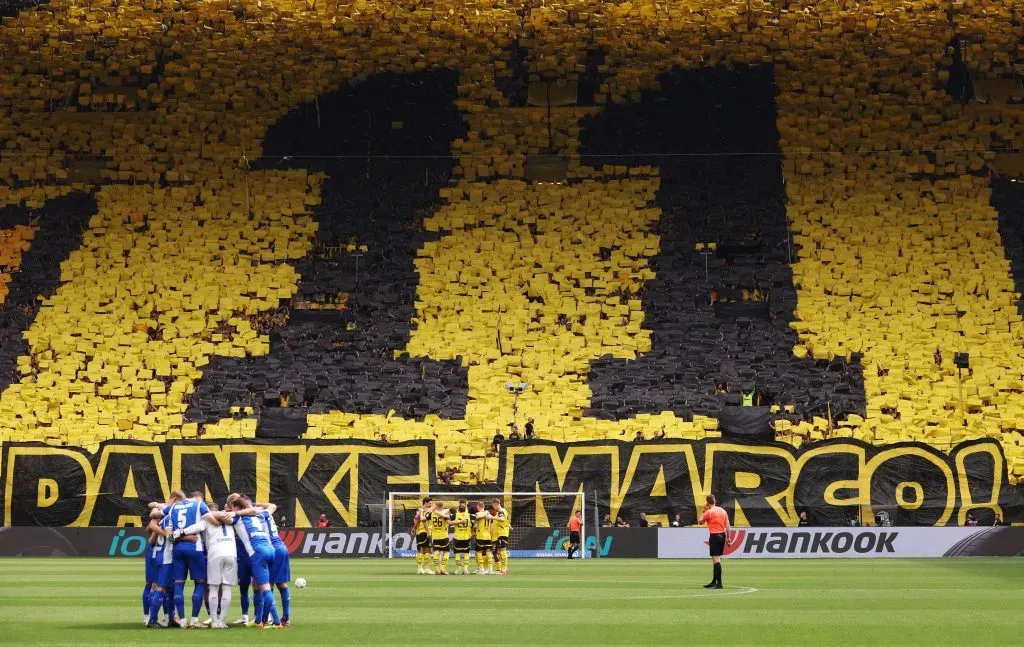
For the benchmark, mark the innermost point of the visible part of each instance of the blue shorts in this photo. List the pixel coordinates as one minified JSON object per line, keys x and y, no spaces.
{"x":153,"y":567}
{"x":165,"y":577}
{"x":260,"y":563}
{"x":281,"y":571}
{"x":192,"y":561}
{"x":244,"y":572}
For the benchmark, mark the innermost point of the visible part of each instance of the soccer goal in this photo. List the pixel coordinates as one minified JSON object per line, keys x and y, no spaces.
{"x":539,"y":520}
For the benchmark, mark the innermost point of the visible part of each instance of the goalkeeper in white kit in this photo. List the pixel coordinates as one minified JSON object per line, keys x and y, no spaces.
{"x":221,"y":563}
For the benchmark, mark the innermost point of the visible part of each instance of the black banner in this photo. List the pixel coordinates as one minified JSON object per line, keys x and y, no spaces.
{"x":760,"y":484}
{"x":746,"y":423}
{"x":60,"y":486}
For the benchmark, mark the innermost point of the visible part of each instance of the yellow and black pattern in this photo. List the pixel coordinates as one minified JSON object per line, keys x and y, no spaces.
{"x":898,"y":258}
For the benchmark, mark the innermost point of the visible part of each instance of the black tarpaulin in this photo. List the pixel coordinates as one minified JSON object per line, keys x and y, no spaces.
{"x":746,"y":423}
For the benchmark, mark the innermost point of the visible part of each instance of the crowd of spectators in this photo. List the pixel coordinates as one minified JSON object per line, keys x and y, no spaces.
{"x":264,"y":322}
{"x":527,"y":434}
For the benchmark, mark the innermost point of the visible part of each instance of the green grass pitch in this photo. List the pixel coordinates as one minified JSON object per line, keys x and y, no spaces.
{"x":551,"y":602}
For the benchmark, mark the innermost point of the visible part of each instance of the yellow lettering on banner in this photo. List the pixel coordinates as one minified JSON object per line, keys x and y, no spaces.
{"x":541,"y":515}
{"x":130,"y":492}
{"x":421,"y":476}
{"x":11,"y":467}
{"x":921,"y":452}
{"x":342,"y":487}
{"x":263,"y":473}
{"x":306,"y":457}
{"x":863,"y":496}
{"x":262,"y":454}
{"x":831,"y":498}
{"x":659,"y":489}
{"x":748,"y":480}
{"x":967,"y":502}
{"x":619,"y":492}
{"x":782,"y":503}
{"x":48,"y":493}
{"x":913,"y":502}
{"x":101,"y":469}
{"x":302,"y":519}
{"x":420,"y":479}
{"x":561,"y":466}
{"x":349,"y":509}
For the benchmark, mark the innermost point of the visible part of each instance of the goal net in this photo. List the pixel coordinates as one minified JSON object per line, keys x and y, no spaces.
{"x":539,"y":520}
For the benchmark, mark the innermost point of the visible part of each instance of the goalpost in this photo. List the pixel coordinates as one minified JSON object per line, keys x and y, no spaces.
{"x":539,"y":520}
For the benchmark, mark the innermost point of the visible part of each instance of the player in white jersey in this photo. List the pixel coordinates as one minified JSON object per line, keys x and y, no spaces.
{"x":221,"y":562}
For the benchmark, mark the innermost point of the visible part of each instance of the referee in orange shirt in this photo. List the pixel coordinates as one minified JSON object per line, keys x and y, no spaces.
{"x":718,"y":529}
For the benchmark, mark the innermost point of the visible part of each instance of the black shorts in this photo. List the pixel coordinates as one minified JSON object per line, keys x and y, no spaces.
{"x":501,"y":543}
{"x":461,"y":545}
{"x":574,"y":537}
{"x":483,"y":545}
{"x":422,"y":540}
{"x":441,"y":544}
{"x":716,"y":544}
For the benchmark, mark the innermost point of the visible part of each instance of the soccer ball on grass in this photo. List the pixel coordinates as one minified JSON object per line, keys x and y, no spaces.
{"x":300,"y":582}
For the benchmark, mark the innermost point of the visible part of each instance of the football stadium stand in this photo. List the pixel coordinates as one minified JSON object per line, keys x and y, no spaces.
{"x":291,"y":219}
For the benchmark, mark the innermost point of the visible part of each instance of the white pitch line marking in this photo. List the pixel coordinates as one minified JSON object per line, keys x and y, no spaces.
{"x":741,"y":590}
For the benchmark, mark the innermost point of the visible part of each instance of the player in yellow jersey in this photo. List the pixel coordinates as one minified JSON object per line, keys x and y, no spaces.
{"x":500,"y":528}
{"x":482,"y":530}
{"x":421,"y":530}
{"x":463,"y":533}
{"x":439,"y":520}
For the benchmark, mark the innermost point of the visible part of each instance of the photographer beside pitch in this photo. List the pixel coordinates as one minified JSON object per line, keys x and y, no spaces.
{"x":718,"y":538}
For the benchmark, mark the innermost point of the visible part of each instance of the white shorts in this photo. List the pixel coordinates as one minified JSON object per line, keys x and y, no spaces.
{"x":222,"y":570}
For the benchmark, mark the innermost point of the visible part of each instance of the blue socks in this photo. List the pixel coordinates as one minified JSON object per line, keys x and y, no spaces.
{"x":168,"y":598}
{"x":269,"y":607}
{"x":257,"y":603}
{"x":179,"y":599}
{"x":286,"y":603}
{"x":156,"y":600}
{"x":146,"y":594}
{"x":198,"y":596}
